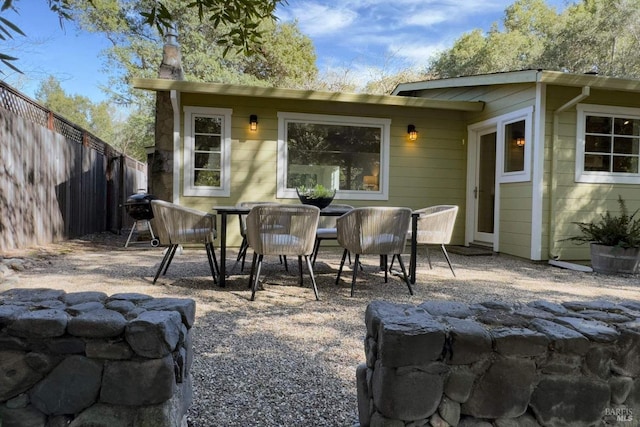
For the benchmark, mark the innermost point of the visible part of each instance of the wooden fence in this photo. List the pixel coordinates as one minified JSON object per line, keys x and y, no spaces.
{"x":57,"y":181}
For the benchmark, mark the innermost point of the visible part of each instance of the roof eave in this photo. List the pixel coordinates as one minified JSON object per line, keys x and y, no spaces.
{"x":592,"y":80}
{"x":308,"y":95}
{"x":527,"y":76}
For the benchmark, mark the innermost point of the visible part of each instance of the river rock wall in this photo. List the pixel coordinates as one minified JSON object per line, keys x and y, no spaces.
{"x":88,"y":359}
{"x":444,"y":363}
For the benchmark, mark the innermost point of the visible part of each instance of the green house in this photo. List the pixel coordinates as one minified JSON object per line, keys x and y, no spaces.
{"x":524,"y":154}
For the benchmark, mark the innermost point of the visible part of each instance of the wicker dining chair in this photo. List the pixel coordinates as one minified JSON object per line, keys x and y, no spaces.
{"x":373,"y":230}
{"x":327,"y":230}
{"x":177,"y":225}
{"x":242,"y":221}
{"x":435,"y":227}
{"x":287,"y":230}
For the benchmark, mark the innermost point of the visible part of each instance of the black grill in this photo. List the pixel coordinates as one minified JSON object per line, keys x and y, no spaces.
{"x":138,"y":206}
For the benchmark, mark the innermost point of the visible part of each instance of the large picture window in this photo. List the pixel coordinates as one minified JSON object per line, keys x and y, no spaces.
{"x":348,"y":154}
{"x":608,"y":147}
{"x":206,"y":154}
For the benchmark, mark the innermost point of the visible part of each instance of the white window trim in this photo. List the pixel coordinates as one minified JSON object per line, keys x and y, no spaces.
{"x":225,"y":174}
{"x":600,"y":177}
{"x":384,"y":124}
{"x":524,"y":175}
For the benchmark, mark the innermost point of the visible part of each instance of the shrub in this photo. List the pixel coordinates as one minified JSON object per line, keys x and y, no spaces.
{"x":317,"y":192}
{"x":622,"y":230}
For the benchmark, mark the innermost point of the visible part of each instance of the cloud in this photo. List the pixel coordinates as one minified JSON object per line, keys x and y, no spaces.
{"x":419,"y":54}
{"x":427,"y":18}
{"x":317,"y":20}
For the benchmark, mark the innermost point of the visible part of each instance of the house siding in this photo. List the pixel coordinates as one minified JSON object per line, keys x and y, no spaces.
{"x":422,"y":173}
{"x":515,"y":219}
{"x":515,"y":205}
{"x":570,"y":201}
{"x":498,"y":100}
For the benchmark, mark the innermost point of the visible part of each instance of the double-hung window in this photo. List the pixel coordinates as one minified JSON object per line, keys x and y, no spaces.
{"x":346,"y":153}
{"x":207,"y":145}
{"x":608,"y":144}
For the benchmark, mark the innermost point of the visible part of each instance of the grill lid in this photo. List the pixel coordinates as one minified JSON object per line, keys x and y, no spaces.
{"x":138,"y":206}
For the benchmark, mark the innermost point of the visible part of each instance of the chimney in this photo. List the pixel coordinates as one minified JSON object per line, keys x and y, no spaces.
{"x":171,"y":65}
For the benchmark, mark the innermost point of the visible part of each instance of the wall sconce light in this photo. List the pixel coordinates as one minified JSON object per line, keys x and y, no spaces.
{"x":520,"y":141}
{"x":413,"y":133}
{"x":253,"y":122}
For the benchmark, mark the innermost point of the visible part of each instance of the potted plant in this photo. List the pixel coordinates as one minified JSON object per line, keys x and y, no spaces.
{"x":614,"y":241}
{"x":318,"y":195}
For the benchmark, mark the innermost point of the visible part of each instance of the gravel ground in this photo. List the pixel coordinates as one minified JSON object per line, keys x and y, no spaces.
{"x":286,"y":359}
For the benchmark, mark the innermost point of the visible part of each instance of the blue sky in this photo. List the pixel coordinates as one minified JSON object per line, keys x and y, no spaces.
{"x":360,"y":36}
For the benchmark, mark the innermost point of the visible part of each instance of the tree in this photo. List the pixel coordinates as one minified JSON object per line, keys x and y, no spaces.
{"x":528,"y":26}
{"x":286,"y":58}
{"x":591,"y":37}
{"x":535,"y":36}
{"x":79,"y":110}
{"x":241,"y":18}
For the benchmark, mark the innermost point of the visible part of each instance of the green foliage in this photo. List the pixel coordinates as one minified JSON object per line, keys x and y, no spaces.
{"x":238,"y":23}
{"x":80,"y":110}
{"x":622,"y":230}
{"x":285,"y":59}
{"x":242,"y":18}
{"x":319,"y":191}
{"x":584,"y":36}
{"x":7,"y":29}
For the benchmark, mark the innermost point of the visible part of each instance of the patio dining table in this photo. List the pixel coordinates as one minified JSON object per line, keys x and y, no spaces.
{"x":225,"y":211}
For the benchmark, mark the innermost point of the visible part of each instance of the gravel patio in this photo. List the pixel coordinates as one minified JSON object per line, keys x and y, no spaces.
{"x":286,"y":359}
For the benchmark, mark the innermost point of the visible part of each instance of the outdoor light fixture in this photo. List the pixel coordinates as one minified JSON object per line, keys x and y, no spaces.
{"x":253,"y":122}
{"x":520,"y":141}
{"x":413,"y":133}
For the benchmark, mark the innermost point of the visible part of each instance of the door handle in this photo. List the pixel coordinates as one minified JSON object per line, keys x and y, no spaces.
{"x":475,"y":193}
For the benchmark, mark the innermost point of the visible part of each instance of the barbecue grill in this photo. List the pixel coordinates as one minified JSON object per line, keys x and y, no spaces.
{"x":138,"y":206}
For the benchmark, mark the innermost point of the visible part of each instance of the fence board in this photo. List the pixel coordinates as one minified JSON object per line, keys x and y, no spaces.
{"x":55,"y":186}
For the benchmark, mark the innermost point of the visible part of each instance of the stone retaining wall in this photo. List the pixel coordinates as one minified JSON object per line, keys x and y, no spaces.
{"x":87,"y":359}
{"x":445,"y":363}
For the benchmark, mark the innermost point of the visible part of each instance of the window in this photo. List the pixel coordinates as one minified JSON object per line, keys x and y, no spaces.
{"x":608,"y":144}
{"x":514,"y":142}
{"x":513,"y":155}
{"x":207,"y":143}
{"x":349,"y":154}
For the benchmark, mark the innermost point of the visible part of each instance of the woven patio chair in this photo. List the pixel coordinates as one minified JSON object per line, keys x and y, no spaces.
{"x":287,"y":230}
{"x":374,"y":230}
{"x":242,"y":220}
{"x":435,"y":227}
{"x":177,"y":225}
{"x":327,"y":230}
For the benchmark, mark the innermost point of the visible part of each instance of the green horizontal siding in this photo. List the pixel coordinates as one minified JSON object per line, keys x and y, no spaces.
{"x":429,"y":171}
{"x":515,"y":219}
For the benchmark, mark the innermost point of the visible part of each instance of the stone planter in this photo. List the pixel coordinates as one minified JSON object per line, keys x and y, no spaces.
{"x":613,"y":259}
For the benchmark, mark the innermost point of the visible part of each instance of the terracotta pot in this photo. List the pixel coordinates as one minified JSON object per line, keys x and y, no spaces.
{"x":613,"y":259}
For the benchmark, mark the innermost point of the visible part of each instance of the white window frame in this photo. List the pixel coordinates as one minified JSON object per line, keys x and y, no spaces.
{"x":385,"y":126}
{"x":581,"y":175}
{"x":523,"y":175}
{"x":189,"y":145}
